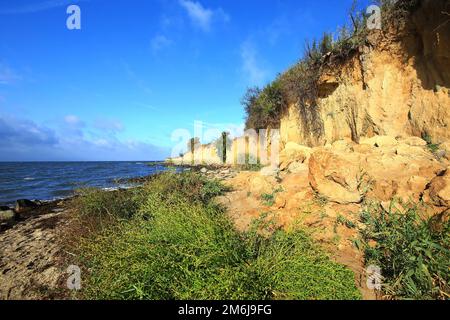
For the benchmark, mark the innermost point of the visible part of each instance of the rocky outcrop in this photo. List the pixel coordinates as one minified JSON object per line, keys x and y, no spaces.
{"x":381,"y":169}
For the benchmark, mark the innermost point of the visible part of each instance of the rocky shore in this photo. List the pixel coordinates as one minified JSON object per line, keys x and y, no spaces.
{"x":25,"y":209}
{"x":30,"y":250}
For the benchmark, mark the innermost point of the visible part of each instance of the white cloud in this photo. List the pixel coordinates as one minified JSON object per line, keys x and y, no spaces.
{"x":201,"y":16}
{"x":17,"y":132}
{"x":8,"y":75}
{"x":255,"y":73}
{"x":109,"y":125}
{"x":72,"y":120}
{"x":160,"y":42}
{"x":38,"y":6}
{"x":24,"y":140}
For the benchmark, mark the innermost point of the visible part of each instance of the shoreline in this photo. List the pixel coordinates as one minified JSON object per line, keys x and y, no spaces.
{"x":19,"y":211}
{"x":58,"y":180}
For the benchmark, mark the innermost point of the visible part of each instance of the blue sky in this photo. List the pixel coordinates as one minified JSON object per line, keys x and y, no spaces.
{"x":139,"y":69}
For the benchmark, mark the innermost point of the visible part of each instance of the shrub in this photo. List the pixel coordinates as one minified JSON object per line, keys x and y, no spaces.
{"x":264,"y":107}
{"x":413,"y":255}
{"x":191,"y":185}
{"x":94,"y":202}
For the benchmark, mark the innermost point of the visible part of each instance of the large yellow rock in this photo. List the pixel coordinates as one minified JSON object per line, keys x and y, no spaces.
{"x":293,"y":153}
{"x":439,"y":190}
{"x":380,"y":141}
{"x":413,"y":151}
{"x":259,"y":185}
{"x":414,"y":141}
{"x":335,"y":176}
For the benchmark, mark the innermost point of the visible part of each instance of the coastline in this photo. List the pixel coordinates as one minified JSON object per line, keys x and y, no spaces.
{"x":16,"y":212}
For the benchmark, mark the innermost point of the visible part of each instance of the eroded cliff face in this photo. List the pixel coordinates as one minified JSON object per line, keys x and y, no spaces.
{"x":398,"y":84}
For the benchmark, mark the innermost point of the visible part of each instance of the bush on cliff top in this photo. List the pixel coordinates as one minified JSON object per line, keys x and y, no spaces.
{"x":179,"y":245}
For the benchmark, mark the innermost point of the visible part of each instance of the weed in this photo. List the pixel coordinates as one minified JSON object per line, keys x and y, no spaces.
{"x":413,"y":256}
{"x":345,"y":222}
{"x":433,"y":147}
{"x":269,"y":198}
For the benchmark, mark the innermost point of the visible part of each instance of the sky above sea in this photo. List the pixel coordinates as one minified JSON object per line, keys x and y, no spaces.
{"x":138,"y":70}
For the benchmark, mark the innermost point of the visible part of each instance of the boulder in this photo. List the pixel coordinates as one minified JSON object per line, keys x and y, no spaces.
{"x":412,"y":151}
{"x":439,"y":190}
{"x":297,"y":167}
{"x":7,"y":217}
{"x":343,"y":145}
{"x":335,"y":176}
{"x":269,"y":171}
{"x":24,"y":205}
{"x":446,"y":147}
{"x":380,"y":141}
{"x":258,"y":185}
{"x":414,"y":141}
{"x":293,"y":153}
{"x":363,"y":148}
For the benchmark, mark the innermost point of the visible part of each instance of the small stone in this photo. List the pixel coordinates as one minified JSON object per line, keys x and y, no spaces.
{"x":203,"y":170}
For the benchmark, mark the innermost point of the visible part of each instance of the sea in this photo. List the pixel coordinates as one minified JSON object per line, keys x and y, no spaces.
{"x":47,"y":181}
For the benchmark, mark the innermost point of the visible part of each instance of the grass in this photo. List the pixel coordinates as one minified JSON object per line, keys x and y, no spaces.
{"x":249,"y":167}
{"x":412,"y":250}
{"x":268,"y":199}
{"x":174,"y":242}
{"x":345,"y":222}
{"x":433,"y":147}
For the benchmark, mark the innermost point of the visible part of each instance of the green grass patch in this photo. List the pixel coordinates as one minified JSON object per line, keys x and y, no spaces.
{"x":178,"y":244}
{"x":268,"y":199}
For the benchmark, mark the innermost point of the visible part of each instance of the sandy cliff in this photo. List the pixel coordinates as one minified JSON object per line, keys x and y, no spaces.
{"x":397,"y":84}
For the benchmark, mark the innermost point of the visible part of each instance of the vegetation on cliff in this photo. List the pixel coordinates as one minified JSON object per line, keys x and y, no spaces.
{"x":172,"y":241}
{"x":299,"y":84}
